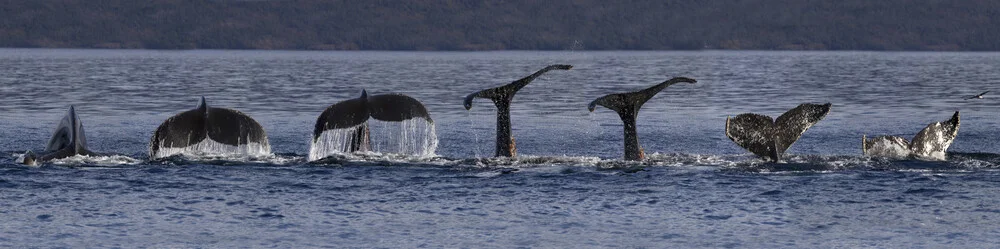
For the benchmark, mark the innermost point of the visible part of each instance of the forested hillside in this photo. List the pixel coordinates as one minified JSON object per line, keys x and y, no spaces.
{"x":502,"y":24}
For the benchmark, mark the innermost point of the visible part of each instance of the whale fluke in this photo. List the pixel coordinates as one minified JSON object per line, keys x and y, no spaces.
{"x":501,"y":97}
{"x":627,"y":106}
{"x":354,"y":113}
{"x":930,"y":143}
{"x":385,"y":107}
{"x":68,"y":140}
{"x":769,"y":138}
{"x":221,"y":125}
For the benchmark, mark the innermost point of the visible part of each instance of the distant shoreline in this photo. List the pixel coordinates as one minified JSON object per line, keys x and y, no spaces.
{"x":555,"y":25}
{"x":506,"y":50}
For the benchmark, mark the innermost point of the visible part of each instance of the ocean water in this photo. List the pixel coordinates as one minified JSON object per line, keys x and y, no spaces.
{"x":567,"y":187}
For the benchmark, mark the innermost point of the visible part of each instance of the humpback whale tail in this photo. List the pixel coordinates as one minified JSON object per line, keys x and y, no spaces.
{"x":354,"y":113}
{"x":627,"y":106}
{"x":501,"y":97}
{"x":208,"y":130}
{"x":930,"y":143}
{"x":68,"y":140}
{"x":769,"y":138}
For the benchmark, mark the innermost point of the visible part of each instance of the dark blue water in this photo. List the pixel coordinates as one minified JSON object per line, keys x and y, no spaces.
{"x":567,"y":188}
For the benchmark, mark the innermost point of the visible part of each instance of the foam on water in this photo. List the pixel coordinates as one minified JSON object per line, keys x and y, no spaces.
{"x":211,"y":148}
{"x":19,"y":158}
{"x":232,"y":159}
{"x":742,"y":162}
{"x":526,"y":161}
{"x":409,"y":137}
{"x":110,"y":160}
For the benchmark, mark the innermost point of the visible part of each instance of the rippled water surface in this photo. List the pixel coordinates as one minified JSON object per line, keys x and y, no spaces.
{"x":567,"y":188}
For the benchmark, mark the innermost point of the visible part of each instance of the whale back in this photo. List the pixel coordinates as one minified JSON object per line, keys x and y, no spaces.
{"x":933,"y":141}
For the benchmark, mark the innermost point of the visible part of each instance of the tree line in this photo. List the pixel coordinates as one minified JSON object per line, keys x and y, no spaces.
{"x":964,"y":25}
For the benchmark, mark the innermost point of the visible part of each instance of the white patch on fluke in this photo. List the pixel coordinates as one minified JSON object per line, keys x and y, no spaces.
{"x":412,"y":137}
{"x":209,"y":147}
{"x":936,"y":142}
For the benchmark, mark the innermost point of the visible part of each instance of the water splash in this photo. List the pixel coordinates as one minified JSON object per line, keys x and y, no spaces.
{"x":410,"y":137}
{"x":112,"y":160}
{"x":211,"y":148}
{"x":109,"y":160}
{"x":19,"y":158}
{"x":232,"y":159}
